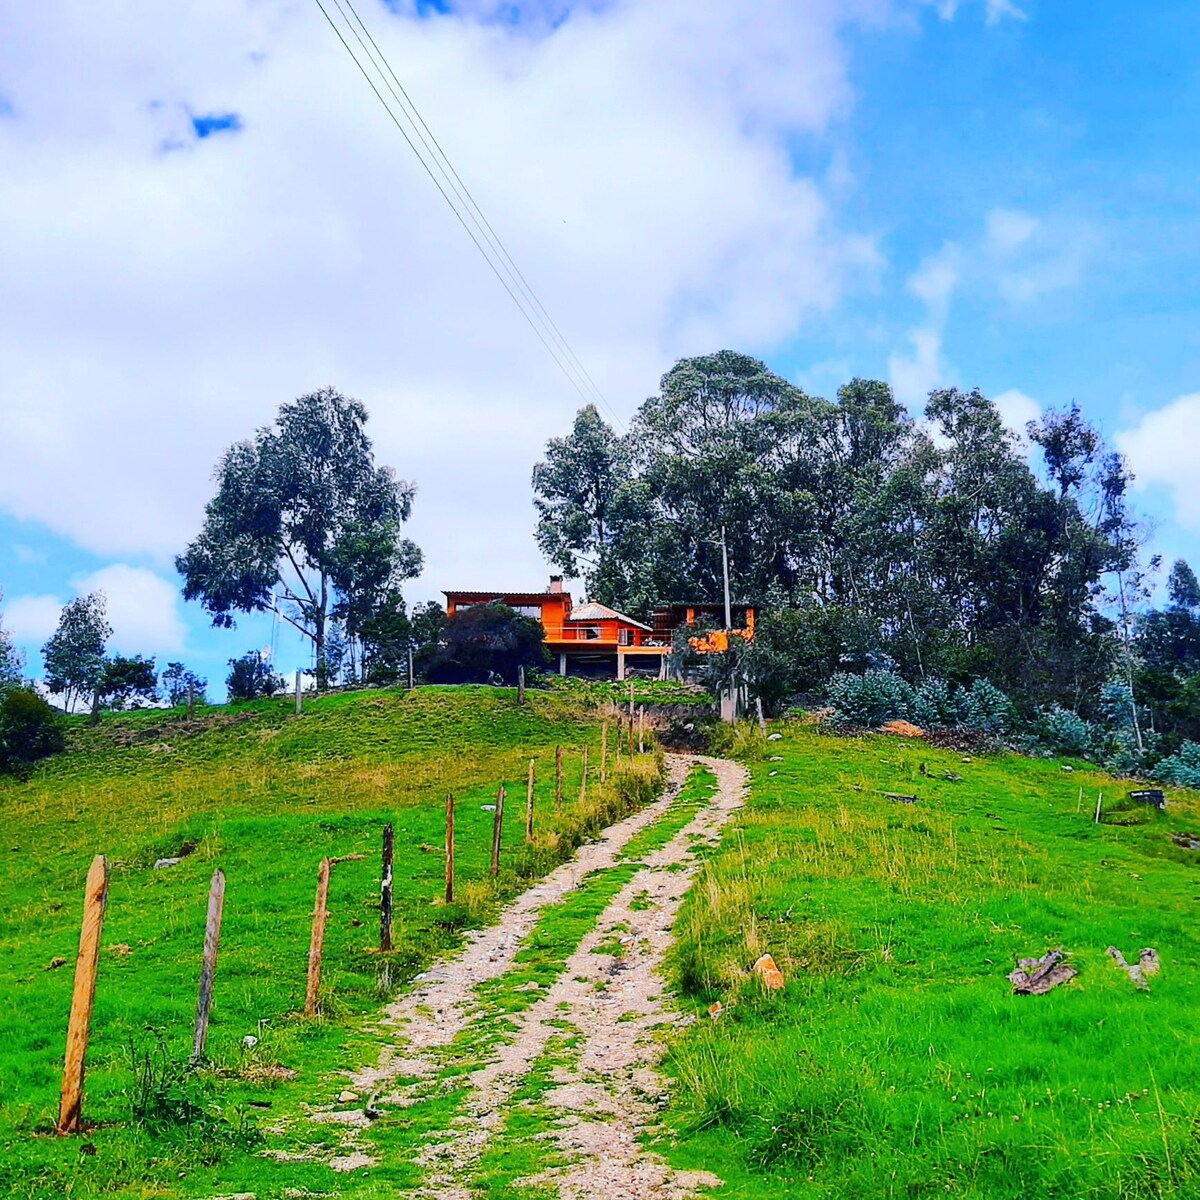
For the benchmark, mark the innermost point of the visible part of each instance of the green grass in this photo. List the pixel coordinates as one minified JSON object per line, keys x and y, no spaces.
{"x":897,"y":1062}
{"x":263,"y":795}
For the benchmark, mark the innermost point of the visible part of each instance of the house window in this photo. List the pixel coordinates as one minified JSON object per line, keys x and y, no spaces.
{"x":529,"y":610}
{"x":592,"y":633}
{"x":625,"y":637}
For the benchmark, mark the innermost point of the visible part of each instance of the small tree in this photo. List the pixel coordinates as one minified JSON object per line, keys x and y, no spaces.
{"x":487,"y":641}
{"x":11,"y":662}
{"x":179,"y":683}
{"x":251,"y":677}
{"x":74,"y":654}
{"x":123,"y":681}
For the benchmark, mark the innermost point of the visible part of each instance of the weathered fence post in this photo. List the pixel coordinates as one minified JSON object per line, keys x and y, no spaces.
{"x":83,"y":998}
{"x":208,"y":971}
{"x":558,"y":778}
{"x":583,"y":779}
{"x":604,"y":752}
{"x":497,"y":829}
{"x":1099,"y":806}
{"x":385,"y":888}
{"x":316,"y":947}
{"x":631,"y":714}
{"x":642,"y":729}
{"x":299,"y":696}
{"x":520,"y":685}
{"x":529,"y":804}
{"x":762,"y":720}
{"x":449,"y":849}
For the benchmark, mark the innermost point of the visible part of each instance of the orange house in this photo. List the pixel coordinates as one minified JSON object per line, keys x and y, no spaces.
{"x":591,"y":638}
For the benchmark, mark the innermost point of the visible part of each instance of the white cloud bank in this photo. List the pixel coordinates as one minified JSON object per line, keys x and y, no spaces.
{"x":1162,"y":450}
{"x":163,"y":294}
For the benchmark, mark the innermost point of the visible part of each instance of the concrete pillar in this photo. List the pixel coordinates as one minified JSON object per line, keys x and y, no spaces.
{"x":620,"y":664}
{"x":562,"y":662}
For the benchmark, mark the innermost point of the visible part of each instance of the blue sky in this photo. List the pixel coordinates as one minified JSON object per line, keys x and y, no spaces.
{"x":216,"y":217}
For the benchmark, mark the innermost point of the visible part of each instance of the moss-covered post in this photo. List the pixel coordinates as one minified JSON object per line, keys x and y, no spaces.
{"x":529,"y":804}
{"x":449,"y":849}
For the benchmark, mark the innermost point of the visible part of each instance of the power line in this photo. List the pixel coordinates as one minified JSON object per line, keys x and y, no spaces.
{"x":462,"y":203}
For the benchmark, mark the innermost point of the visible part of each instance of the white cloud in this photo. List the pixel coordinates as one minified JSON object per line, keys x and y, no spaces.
{"x":32,"y":619}
{"x":914,"y":375}
{"x":1008,"y":229}
{"x":935,"y":280}
{"x":1161,"y":449}
{"x":156,"y":305}
{"x":1016,"y":411}
{"x":143,"y":609}
{"x":997,"y":10}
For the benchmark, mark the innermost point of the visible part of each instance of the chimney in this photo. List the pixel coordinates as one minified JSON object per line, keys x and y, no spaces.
{"x":556,"y":585}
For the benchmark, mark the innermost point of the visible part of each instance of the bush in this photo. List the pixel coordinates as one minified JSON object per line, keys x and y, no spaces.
{"x":1182,"y":769}
{"x":985,"y":708}
{"x":251,"y":678}
{"x":487,"y":641}
{"x":1064,"y":732}
{"x":29,"y":729}
{"x":933,"y":706}
{"x":871,"y":698}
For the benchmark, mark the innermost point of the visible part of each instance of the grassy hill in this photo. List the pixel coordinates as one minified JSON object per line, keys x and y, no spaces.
{"x":897,"y":1062}
{"x":265,"y":795}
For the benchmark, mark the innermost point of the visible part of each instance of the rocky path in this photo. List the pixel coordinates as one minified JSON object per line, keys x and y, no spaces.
{"x":607,"y":998}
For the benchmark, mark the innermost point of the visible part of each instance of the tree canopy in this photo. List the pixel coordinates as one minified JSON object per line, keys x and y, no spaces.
{"x":304,"y":524}
{"x":74,"y":654}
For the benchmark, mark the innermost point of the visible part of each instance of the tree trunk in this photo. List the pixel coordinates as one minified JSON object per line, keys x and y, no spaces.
{"x":95,"y":709}
{"x":322,"y":672}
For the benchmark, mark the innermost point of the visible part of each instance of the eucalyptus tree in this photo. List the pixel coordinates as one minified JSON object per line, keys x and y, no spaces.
{"x":74,"y":654}
{"x":302,"y":521}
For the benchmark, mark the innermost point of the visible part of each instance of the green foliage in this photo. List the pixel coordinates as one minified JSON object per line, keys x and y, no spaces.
{"x":125,"y":679}
{"x":1181,"y":769}
{"x":251,"y":677}
{"x":30,"y":729}
{"x":303,"y":514}
{"x":486,"y":641}
{"x":870,"y":699}
{"x":74,"y":654}
{"x":10,"y":658}
{"x":1061,"y":731}
{"x":178,"y":683}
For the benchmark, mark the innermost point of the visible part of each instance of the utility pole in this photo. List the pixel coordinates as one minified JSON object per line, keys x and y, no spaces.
{"x":725,"y":573}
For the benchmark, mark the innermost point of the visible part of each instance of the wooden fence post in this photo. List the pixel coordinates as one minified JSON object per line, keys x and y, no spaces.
{"x":316,"y":947}
{"x":208,"y":971}
{"x":558,"y":778}
{"x":449,"y":849}
{"x":631,"y":714}
{"x":620,"y":737}
{"x":497,"y":827}
{"x":642,"y":729}
{"x":529,"y":804}
{"x":410,"y":669}
{"x":83,"y":998}
{"x":1099,"y":806}
{"x":520,"y":685}
{"x":385,"y":889}
{"x":583,"y":779}
{"x":604,"y":752}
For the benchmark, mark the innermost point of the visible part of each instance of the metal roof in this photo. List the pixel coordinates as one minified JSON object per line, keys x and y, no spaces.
{"x":592,"y":611}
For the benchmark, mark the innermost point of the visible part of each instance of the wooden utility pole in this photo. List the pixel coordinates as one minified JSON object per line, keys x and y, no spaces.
{"x":497,"y":829}
{"x":604,"y":752}
{"x":316,"y":947}
{"x":385,"y":888}
{"x":529,"y":804}
{"x":583,"y":779}
{"x":83,"y":998}
{"x":558,"y":778}
{"x":449,"y":849}
{"x":208,"y":971}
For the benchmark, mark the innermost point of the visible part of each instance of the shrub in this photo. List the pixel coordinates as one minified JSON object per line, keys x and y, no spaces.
{"x":869,"y":699}
{"x":933,"y":706}
{"x":984,"y":707}
{"x":486,"y":641}
{"x":1181,"y":769}
{"x":251,"y":678}
{"x":29,"y":729}
{"x":1064,"y":732}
